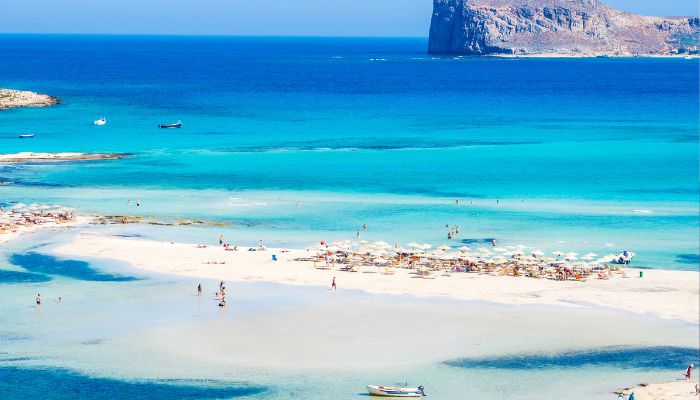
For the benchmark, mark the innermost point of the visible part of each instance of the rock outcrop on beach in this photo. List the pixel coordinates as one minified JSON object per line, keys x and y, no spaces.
{"x":556,"y":28}
{"x":18,"y":98}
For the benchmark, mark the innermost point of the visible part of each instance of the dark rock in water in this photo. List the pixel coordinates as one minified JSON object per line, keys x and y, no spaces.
{"x":586,"y":28}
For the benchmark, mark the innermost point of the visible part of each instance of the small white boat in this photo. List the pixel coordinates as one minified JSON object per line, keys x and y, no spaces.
{"x":390,"y":391}
{"x":688,"y":57}
{"x":625,"y":257}
{"x":26,"y":136}
{"x":100,"y":121}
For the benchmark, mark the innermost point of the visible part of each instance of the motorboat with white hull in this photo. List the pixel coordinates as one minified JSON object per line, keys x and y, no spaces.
{"x":625,"y":257}
{"x":390,"y":391}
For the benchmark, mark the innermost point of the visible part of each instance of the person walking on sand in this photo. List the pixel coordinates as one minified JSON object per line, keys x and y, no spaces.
{"x":38,"y":299}
{"x":199,"y":289}
{"x":689,"y":372}
{"x":333,"y":284}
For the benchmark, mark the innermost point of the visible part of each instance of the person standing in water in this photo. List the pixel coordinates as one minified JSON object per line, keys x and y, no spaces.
{"x":199,"y":289}
{"x":221,"y":240}
{"x":333,"y":284}
{"x":364,"y":227}
{"x":689,"y":372}
{"x":358,"y":233}
{"x":38,"y":298}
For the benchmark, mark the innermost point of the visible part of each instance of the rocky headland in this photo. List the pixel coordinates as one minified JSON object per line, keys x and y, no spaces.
{"x":19,"y":98}
{"x":583,"y":28}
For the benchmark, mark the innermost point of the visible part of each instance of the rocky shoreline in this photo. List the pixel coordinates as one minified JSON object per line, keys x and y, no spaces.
{"x":19,"y":98}
{"x":58,"y":157}
{"x":138,"y":219}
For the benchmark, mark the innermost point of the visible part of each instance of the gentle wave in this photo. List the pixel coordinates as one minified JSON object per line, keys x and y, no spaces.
{"x":380,"y":147}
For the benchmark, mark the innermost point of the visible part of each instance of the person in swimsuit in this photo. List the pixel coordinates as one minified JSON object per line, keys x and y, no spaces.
{"x":199,"y":289}
{"x":38,"y":299}
{"x":333,"y":284}
{"x":689,"y":372}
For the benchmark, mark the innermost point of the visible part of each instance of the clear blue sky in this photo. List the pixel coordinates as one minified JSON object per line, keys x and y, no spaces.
{"x":251,"y":17}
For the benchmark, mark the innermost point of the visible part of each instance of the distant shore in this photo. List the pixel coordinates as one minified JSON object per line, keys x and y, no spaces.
{"x":665,"y":294}
{"x":20,"y":98}
{"x":58,"y":157}
{"x":592,"y":55}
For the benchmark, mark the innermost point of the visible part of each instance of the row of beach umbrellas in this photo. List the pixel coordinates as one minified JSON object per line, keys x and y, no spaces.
{"x":494,"y":254}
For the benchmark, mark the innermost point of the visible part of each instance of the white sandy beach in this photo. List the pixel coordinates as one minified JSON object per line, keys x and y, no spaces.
{"x":666,"y":294}
{"x":674,"y":390}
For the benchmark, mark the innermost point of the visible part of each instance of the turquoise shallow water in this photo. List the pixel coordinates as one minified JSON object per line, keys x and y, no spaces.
{"x":585,"y":155}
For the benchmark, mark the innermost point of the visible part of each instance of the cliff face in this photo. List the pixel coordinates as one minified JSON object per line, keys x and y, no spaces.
{"x":554,"y":27}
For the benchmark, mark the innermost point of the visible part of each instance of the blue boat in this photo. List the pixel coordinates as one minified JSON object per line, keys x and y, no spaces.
{"x":178,"y":124}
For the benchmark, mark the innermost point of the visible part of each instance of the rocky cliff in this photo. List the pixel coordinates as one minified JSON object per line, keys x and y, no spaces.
{"x":555,"y":27}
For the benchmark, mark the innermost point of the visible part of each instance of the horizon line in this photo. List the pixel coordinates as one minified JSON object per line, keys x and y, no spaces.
{"x":209,"y":35}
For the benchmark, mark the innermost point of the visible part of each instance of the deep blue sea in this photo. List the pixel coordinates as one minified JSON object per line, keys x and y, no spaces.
{"x":296,"y":140}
